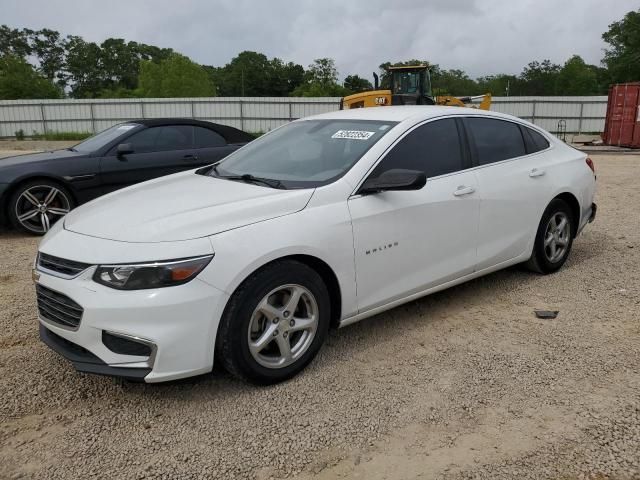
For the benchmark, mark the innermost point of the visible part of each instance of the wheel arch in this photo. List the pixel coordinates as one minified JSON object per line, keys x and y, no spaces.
{"x":323,"y":269}
{"x":8,"y":193}
{"x":571,"y":200}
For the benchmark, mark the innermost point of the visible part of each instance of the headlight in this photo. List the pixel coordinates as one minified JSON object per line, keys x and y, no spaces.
{"x":140,"y":276}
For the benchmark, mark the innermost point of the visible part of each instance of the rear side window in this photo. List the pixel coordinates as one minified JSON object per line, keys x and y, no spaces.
{"x":535,"y":141}
{"x":208,"y":138}
{"x":159,"y":139}
{"x":433,"y":148}
{"x":495,"y":140}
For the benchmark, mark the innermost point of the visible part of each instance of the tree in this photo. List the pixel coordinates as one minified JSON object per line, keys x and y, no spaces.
{"x":83,"y":70}
{"x":540,"y":78}
{"x":177,"y":76}
{"x":321,"y":80}
{"x":622,"y":58}
{"x":577,"y":78}
{"x":356,"y":84}
{"x":20,"y":80}
{"x":49,"y":49}
{"x":499,"y":85}
{"x":14,"y":42}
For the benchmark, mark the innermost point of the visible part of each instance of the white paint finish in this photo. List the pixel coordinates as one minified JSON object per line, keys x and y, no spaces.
{"x":442,"y":238}
{"x":408,"y":241}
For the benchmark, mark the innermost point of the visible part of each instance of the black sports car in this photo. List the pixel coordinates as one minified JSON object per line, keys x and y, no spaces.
{"x":37,"y":189}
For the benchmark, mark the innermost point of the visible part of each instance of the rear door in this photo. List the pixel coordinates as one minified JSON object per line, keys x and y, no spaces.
{"x":157,"y":151}
{"x":210,"y":146}
{"x":514,"y":180}
{"x":408,"y":241}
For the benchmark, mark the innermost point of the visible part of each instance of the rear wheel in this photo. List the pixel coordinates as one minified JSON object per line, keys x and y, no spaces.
{"x":35,"y":206}
{"x":554,"y":238}
{"x":275,"y":323}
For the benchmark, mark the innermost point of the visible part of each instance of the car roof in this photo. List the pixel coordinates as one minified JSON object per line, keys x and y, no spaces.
{"x":404,"y":112}
{"x":231,"y":134}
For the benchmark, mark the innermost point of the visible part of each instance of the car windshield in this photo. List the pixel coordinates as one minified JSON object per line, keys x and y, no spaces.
{"x":99,"y":140}
{"x":305,"y":154}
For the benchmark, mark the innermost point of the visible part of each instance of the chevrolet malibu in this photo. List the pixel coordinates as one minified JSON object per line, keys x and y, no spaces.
{"x":325,"y":221}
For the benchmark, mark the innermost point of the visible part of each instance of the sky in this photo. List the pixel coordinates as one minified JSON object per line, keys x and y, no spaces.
{"x":481,"y":37}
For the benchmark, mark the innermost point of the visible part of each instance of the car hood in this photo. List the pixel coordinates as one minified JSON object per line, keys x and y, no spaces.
{"x":182,"y":207}
{"x":37,"y":157}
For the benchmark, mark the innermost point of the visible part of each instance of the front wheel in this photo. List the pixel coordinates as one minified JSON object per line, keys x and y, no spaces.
{"x":35,"y":206}
{"x":554,"y":238}
{"x":275,"y":323}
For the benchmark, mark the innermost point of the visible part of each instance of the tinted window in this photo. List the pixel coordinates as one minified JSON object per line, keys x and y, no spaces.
{"x":495,"y":140}
{"x":537,"y":141}
{"x":155,"y":139}
{"x":101,"y":139}
{"x":208,"y":138}
{"x":433,"y":148}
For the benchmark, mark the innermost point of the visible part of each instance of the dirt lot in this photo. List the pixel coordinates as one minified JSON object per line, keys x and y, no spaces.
{"x":464,"y":384}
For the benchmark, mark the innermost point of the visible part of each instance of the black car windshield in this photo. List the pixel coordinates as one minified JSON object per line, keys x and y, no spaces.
{"x":305,"y":154}
{"x":101,"y":139}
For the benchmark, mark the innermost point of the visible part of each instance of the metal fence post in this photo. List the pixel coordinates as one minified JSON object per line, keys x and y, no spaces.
{"x":241,"y":115}
{"x":533,"y":112}
{"x":142,"y":109}
{"x":580,"y":119}
{"x":44,"y":119}
{"x":93,"y":118}
{"x":290,"y":111}
{"x":193,"y":110}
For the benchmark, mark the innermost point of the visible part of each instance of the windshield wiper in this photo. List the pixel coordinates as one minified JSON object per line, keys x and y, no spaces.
{"x":248,"y":178}
{"x":71,"y":149}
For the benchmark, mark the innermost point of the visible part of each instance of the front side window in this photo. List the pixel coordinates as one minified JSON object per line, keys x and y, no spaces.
{"x":495,"y":140}
{"x":433,"y":148}
{"x":102,"y":139}
{"x":306,"y":153}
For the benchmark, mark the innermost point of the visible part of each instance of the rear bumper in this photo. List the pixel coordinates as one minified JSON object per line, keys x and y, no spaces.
{"x":85,"y":361}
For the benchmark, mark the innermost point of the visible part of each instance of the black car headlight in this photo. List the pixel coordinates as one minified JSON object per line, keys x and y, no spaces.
{"x":139,"y":276}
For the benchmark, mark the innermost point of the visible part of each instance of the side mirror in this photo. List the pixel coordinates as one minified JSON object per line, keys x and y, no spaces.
{"x":396,"y":179}
{"x":124,"y":148}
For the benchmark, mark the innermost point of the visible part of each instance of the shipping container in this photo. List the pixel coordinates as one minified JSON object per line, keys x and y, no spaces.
{"x":622,"y":123}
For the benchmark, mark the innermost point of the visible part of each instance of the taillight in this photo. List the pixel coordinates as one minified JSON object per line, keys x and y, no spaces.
{"x":591,"y":165}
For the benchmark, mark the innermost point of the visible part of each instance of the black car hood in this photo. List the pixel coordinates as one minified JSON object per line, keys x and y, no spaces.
{"x":38,"y":157}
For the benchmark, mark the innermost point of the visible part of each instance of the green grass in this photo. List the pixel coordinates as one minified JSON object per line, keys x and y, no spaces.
{"x":61,"y":136}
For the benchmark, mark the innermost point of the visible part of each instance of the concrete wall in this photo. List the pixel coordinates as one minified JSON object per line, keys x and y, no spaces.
{"x":580,"y":114}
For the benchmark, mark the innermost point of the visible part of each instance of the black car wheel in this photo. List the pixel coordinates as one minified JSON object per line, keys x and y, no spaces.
{"x":35,"y":206}
{"x":553,"y":239}
{"x":275,"y":323}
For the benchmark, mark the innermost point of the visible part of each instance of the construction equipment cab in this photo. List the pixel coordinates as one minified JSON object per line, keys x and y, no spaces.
{"x":410,"y":85}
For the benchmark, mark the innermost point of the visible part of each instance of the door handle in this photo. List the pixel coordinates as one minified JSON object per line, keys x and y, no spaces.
{"x":463,"y":190}
{"x":190,"y":157}
{"x":535,"y":172}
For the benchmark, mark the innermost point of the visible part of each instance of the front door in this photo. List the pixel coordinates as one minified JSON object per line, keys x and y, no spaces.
{"x":157,"y":151}
{"x":408,"y":241}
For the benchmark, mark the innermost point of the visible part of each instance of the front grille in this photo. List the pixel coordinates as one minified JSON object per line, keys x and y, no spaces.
{"x":68,"y":268}
{"x":58,"y":308}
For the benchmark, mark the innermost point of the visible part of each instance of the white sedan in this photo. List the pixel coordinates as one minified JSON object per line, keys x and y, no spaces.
{"x":325,"y":221}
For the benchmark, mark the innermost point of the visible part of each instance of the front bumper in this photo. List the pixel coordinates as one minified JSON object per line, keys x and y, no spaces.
{"x":179,"y":322}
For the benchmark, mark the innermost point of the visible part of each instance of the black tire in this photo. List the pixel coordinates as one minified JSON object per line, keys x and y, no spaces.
{"x":540,"y":261}
{"x":63,"y":200}
{"x":232,"y":341}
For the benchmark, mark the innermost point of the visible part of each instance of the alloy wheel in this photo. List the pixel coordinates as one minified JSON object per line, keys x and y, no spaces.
{"x":282,"y":326}
{"x":557,"y":236}
{"x":40,"y":206}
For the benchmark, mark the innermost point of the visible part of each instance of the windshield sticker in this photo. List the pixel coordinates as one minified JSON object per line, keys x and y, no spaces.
{"x":126,"y":127}
{"x":353,"y":134}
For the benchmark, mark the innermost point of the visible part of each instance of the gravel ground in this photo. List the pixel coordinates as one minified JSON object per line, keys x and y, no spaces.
{"x":466,"y":383}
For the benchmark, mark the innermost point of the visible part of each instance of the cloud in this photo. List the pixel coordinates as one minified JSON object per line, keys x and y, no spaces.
{"x":479,"y":36}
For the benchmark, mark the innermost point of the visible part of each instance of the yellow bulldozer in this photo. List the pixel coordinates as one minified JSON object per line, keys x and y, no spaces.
{"x":410,"y":85}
